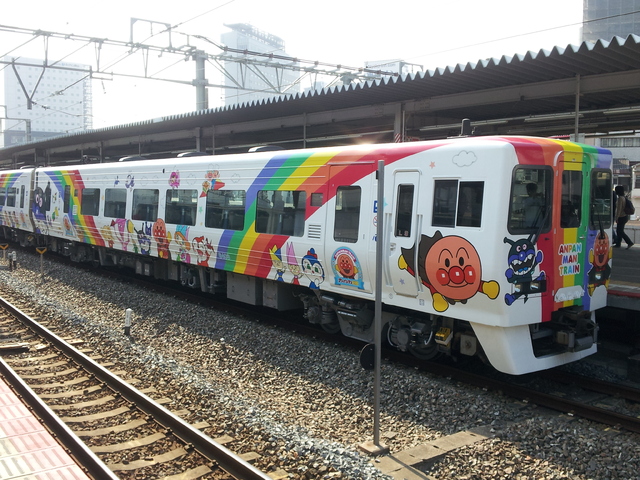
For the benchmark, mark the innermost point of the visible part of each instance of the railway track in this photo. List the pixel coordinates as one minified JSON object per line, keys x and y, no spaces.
{"x":615,"y":404}
{"x":551,"y":398}
{"x":560,"y":398}
{"x":123,"y":427}
{"x":520,"y":390}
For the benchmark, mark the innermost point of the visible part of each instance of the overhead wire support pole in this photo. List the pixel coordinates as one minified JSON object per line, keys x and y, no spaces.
{"x":577,"y":118}
{"x":375,"y":447}
{"x":200,"y":82}
{"x":378,"y":306}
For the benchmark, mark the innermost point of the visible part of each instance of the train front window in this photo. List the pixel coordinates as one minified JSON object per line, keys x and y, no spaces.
{"x":530,"y":201}
{"x":601,"y":193}
{"x":571,"y":208}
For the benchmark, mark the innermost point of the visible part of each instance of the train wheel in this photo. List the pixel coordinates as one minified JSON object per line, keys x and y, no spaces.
{"x":426,"y":352}
{"x":331,"y":327}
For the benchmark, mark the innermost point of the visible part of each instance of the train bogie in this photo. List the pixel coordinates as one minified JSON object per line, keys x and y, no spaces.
{"x":493,"y":247}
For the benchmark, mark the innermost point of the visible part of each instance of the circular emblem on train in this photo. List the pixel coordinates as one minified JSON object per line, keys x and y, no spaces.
{"x":346,"y":268}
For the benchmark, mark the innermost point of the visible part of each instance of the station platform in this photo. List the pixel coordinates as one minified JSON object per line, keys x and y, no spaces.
{"x":624,"y":286}
{"x":27,"y":450}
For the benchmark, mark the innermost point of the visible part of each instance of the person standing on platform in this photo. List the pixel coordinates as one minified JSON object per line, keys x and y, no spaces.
{"x":621,"y":218}
{"x":614,"y":209}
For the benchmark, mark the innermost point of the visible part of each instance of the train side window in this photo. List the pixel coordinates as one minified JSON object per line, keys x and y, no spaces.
{"x":470,"y":199}
{"x":571,"y":207}
{"x":445,"y":196}
{"x":3,"y":194}
{"x":601,"y":189}
{"x":90,"y":201}
{"x":181,"y":207}
{"x":225,"y":209}
{"x":530,"y":201}
{"x":404,"y":213}
{"x":145,"y":204}
{"x":47,"y":198}
{"x":22,"y":189}
{"x":67,"y":201}
{"x":457,"y":203}
{"x":316,"y":199}
{"x":347,"y":214}
{"x":281,"y":212}
{"x":11,"y":197}
{"x":115,"y":202}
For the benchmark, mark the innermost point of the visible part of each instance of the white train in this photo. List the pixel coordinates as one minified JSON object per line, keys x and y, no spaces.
{"x":493,"y":246}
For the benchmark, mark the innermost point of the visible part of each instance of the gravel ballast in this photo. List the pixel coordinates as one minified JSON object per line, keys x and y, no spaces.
{"x":305,"y":405}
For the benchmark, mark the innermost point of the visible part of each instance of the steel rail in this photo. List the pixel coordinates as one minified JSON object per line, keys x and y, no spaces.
{"x":84,"y":457}
{"x":542,"y":399}
{"x":226,"y":459}
{"x":441,"y":369}
{"x":595,"y":385}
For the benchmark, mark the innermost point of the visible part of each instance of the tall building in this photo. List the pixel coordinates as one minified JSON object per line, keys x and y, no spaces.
{"x":604,"y":19}
{"x":44,"y":102}
{"x":245,"y":83}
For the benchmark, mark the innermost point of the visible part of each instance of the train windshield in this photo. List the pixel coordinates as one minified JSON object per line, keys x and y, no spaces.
{"x":530,"y":204}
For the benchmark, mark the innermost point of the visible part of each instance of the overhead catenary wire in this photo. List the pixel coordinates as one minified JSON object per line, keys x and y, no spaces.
{"x":292,"y":62}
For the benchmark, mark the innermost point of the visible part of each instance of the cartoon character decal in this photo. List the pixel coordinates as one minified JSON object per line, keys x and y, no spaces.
{"x":184,"y":246}
{"x":122,"y":229}
{"x":107,"y":235}
{"x":68,"y":228}
{"x":313,"y":269}
{"x":162,"y":238}
{"x":276,"y":259}
{"x":292,"y":264}
{"x":203,"y":250}
{"x":450,"y":268}
{"x":174,"y":179}
{"x":599,"y":257}
{"x":144,"y":238}
{"x":346,"y":268}
{"x":523,"y":260}
{"x":211,"y":182}
{"x":38,"y":203}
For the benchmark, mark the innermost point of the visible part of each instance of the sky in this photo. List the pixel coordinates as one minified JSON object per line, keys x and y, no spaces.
{"x":431,"y":33}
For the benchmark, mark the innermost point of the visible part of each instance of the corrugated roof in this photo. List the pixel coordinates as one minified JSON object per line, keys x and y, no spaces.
{"x":589,"y":60}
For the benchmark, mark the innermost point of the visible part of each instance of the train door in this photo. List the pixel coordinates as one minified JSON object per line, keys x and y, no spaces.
{"x":348,"y":235}
{"x":574,"y":220}
{"x":404,"y":228}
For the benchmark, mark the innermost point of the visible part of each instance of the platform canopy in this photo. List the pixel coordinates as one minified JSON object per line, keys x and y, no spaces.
{"x":592,"y":88}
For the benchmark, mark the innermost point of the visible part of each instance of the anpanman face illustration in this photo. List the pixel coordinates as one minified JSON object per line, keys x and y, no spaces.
{"x":601,"y":250}
{"x":345,"y":266}
{"x":159,"y":229}
{"x":454,"y":266}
